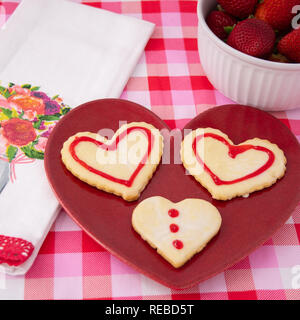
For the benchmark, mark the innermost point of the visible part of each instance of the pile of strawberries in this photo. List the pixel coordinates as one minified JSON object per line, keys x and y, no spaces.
{"x":259,"y":28}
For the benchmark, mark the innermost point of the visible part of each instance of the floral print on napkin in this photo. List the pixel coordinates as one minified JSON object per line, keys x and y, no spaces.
{"x":27,"y":116}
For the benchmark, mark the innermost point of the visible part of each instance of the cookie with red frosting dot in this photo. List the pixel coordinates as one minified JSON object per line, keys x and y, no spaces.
{"x":176,"y":237}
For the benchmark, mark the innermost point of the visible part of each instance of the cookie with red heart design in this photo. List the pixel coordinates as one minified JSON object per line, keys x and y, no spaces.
{"x":123,"y":165}
{"x":227,"y":170}
{"x":176,"y":230}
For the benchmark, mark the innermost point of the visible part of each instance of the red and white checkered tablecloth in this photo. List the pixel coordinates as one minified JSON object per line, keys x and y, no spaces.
{"x":170,"y":81}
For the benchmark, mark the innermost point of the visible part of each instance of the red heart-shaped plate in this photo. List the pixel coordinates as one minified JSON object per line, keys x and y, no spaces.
{"x":247,"y":223}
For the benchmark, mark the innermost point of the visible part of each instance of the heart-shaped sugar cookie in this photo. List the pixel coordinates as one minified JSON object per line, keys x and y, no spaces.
{"x":122,"y":165}
{"x":177,"y":230}
{"x":227,"y":170}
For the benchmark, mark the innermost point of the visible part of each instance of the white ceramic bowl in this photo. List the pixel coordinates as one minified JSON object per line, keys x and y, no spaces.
{"x":267,"y":85}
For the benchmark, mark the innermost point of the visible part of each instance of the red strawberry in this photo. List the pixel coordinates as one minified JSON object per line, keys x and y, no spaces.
{"x":239,"y":8}
{"x":277,"y":13}
{"x":217,"y":21}
{"x":254,"y":37}
{"x":289,"y":45}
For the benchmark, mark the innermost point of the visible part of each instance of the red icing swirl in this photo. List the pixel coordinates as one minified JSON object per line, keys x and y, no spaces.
{"x":111,"y":147}
{"x":233,"y":152}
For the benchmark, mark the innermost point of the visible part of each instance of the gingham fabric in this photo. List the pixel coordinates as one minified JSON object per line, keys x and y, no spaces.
{"x":168,"y":80}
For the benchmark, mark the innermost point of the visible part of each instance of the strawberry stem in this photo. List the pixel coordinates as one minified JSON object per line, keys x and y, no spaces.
{"x":229,"y":29}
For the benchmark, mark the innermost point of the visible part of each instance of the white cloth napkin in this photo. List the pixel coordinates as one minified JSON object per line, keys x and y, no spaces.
{"x":79,"y":52}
